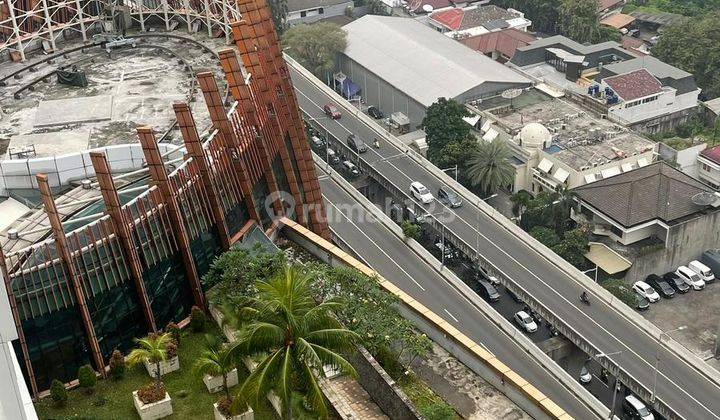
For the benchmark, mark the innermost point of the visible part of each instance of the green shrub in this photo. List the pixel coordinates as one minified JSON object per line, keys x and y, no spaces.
{"x":198,"y":319}
{"x":87,"y":378}
{"x":620,"y":291}
{"x":117,"y":364}
{"x":173,"y":329}
{"x":437,"y":411}
{"x":58,"y":393}
{"x":410,"y":230}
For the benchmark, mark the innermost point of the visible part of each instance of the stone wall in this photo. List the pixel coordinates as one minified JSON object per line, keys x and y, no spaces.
{"x":381,"y":387}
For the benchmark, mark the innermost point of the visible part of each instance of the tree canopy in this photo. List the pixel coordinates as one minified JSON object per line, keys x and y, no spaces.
{"x":489,"y":166}
{"x":543,"y":13}
{"x":315,"y":46}
{"x":279,"y":12}
{"x":694,"y":46}
{"x":444,"y":126}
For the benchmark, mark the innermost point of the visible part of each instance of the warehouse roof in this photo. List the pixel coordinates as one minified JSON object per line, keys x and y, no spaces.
{"x":419,"y":61}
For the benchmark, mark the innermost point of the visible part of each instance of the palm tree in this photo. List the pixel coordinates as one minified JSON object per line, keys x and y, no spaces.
{"x":296,"y":336}
{"x":216,"y":361}
{"x":521,"y":201}
{"x":152,"y":348}
{"x":563,"y":200}
{"x":489,"y":166}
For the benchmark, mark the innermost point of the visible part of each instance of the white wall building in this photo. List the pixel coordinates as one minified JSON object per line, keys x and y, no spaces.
{"x":476,"y":20}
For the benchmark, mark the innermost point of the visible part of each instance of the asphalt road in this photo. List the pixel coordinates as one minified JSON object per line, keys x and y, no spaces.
{"x":679,"y":385}
{"x":394,"y":260}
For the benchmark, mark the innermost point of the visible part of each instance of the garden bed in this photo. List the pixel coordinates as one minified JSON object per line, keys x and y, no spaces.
{"x":113,"y":399}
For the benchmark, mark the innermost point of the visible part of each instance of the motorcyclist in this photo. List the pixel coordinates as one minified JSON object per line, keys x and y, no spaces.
{"x":376,"y":143}
{"x":584,"y":297}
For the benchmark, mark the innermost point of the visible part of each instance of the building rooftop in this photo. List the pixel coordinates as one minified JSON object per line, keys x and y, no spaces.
{"x":608,"y":4}
{"x":618,"y":20}
{"x":298,"y":5}
{"x":658,"y":18}
{"x":417,"y":5}
{"x":656,"y":67}
{"x":656,"y":191}
{"x":506,"y":41}
{"x":474,"y":16}
{"x":713,"y":105}
{"x":712,"y":154}
{"x":635,"y":84}
{"x":420,"y":61}
{"x":579,"y":139}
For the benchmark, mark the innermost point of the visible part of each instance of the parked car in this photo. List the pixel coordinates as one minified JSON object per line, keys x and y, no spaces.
{"x":350,"y":169}
{"x":641,"y":303}
{"x":690,"y":277}
{"x":644,"y":289}
{"x":660,"y":285}
{"x":585,"y":376}
{"x":449,"y":197}
{"x":676,"y":282}
{"x":421,"y":193}
{"x":332,"y":111}
{"x":702,"y":270}
{"x":636,"y":409}
{"x":711,"y":258}
{"x":357,"y":145}
{"x":488,"y":291}
{"x":375,"y":112}
{"x":525,"y":321}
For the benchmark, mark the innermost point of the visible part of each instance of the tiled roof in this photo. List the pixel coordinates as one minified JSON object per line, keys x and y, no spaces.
{"x":505,"y":41}
{"x":632,"y":43}
{"x":608,"y":4}
{"x":712,"y":153}
{"x":471,"y":17}
{"x":656,"y":191}
{"x":633,"y":85}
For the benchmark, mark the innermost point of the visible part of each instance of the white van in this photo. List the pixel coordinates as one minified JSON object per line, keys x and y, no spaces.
{"x":702,"y":270}
{"x":690,"y":277}
{"x":636,"y":409}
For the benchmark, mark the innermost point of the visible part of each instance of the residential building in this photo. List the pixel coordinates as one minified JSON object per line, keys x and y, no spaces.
{"x":712,"y":111}
{"x":653,"y":205}
{"x":499,"y":45}
{"x":618,"y":21}
{"x":708,"y":167}
{"x":474,"y":20}
{"x":404,"y":66}
{"x":609,"y":6}
{"x":308,"y":11}
{"x":659,"y":96}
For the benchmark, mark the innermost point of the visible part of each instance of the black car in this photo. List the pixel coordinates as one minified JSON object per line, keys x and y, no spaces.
{"x":350,"y":168}
{"x":676,"y":282}
{"x":374,"y":112}
{"x":488,"y":291}
{"x":661,"y":285}
{"x":357,"y":145}
{"x":641,"y":303}
{"x":449,"y":197}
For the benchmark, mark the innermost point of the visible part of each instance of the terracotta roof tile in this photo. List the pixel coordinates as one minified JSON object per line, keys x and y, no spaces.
{"x":635,"y":84}
{"x":712,"y":153}
{"x":506,"y":41}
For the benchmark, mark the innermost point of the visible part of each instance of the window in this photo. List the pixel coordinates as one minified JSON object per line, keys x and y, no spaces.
{"x":303,"y":13}
{"x":321,"y":11}
{"x":650,"y":99}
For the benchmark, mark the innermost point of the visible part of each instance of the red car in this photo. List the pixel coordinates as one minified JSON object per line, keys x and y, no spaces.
{"x":332,"y":111}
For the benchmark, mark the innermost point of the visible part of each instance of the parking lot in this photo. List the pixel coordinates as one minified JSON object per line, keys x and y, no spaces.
{"x":698,"y":311}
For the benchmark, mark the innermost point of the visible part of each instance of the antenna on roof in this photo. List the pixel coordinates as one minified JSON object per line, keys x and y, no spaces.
{"x":427,"y":8}
{"x":703,"y":198}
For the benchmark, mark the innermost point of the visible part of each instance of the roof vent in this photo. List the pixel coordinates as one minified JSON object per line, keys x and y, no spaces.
{"x":703,"y":198}
{"x":12,"y":234}
{"x":86,"y":184}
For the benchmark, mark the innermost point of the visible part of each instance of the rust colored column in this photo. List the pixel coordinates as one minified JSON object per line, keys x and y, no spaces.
{"x":195,"y":150}
{"x":122,"y":230}
{"x":18,"y":324}
{"x":249,"y":109}
{"x":74,"y":278}
{"x":220,"y":120}
{"x":159,"y":175}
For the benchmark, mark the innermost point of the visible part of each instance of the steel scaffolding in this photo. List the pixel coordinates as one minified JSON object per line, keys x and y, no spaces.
{"x":32,"y":24}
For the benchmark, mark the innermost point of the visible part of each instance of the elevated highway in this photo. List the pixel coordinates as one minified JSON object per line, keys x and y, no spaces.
{"x":620,"y":340}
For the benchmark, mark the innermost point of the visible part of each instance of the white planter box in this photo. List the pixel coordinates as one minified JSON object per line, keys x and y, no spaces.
{"x":156,"y":410}
{"x":248,"y":415}
{"x":215,"y":383}
{"x":170,"y":365}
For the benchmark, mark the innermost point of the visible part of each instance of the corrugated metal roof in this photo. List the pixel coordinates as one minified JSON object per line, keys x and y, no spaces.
{"x":419,"y":61}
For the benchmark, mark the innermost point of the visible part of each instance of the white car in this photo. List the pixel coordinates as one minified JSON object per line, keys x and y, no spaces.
{"x":585,"y":376}
{"x":421,"y":193}
{"x":526,"y":322}
{"x":690,"y":278}
{"x":644,"y":290}
{"x":702,"y":270}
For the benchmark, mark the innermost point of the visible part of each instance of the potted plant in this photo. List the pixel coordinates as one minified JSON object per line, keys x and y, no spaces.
{"x":170,"y":363}
{"x":152,"y":401}
{"x":217,"y":366}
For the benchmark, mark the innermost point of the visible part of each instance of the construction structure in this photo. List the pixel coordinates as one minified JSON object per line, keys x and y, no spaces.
{"x":26,"y":25}
{"x":95,"y":268}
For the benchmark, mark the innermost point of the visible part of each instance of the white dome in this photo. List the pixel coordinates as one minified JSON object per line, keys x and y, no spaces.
{"x":535,"y":135}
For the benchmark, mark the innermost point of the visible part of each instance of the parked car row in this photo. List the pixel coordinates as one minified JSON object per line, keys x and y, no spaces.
{"x":694,"y":276}
{"x":445,"y":195}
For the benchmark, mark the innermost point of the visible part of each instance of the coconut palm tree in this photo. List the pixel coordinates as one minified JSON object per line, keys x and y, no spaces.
{"x":296,"y":337}
{"x":215,"y":361}
{"x":489,"y":167}
{"x":152,"y":348}
{"x":563,"y":200}
{"x":521,"y":201}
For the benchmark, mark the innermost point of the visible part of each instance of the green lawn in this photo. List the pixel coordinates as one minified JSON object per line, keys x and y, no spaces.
{"x":113,"y":399}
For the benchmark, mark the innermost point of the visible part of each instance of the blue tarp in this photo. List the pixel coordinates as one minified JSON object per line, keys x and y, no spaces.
{"x":349,"y":89}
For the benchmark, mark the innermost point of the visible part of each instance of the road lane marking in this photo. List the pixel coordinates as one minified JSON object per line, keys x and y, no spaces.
{"x":451,"y":315}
